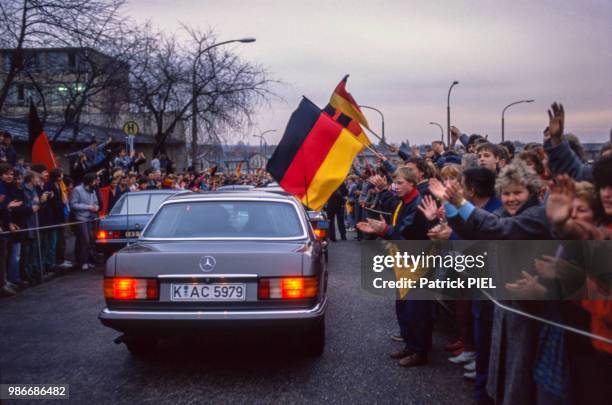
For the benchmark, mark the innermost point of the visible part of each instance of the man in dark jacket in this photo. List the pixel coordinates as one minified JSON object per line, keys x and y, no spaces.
{"x":18,"y":215}
{"x":6,"y":178}
{"x":415,"y":317}
{"x":335,"y":212}
{"x":52,"y":214}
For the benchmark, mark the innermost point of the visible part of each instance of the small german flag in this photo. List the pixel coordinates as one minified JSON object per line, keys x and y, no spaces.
{"x":314,"y":156}
{"x":343,"y":101}
{"x":348,"y":123}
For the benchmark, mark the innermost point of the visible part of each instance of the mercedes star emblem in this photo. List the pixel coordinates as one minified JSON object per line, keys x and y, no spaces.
{"x":207,"y":263}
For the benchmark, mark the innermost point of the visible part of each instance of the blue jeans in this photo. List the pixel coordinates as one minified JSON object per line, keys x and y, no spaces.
{"x":13,"y":262}
{"x":415,"y":319}
{"x":49,"y":247}
{"x":31,"y":259}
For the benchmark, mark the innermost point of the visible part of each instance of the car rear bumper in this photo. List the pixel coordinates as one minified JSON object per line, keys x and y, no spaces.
{"x":137,"y":321}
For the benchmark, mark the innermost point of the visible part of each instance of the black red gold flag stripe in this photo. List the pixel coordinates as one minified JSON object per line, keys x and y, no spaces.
{"x":314,"y":156}
{"x":343,"y":100}
{"x":348,"y":123}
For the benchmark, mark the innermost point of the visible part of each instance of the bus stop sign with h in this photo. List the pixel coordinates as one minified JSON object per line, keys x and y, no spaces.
{"x":130,"y":129}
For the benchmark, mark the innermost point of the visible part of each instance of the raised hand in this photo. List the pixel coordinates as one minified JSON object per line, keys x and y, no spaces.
{"x":379,"y":182}
{"x":455,"y":134}
{"x":560,"y":198}
{"x":454,"y":194}
{"x":437,"y":189}
{"x":546,"y":134}
{"x":546,"y":267}
{"x":556,"y":122}
{"x":429,"y":208}
{"x":14,"y":203}
{"x":373,"y":226}
{"x":527,"y":287}
{"x":440,"y":232}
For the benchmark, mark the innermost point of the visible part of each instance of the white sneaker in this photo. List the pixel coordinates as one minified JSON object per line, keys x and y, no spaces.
{"x":471,"y":366}
{"x":66,"y":264}
{"x":85,"y":267}
{"x":470,"y":375}
{"x":464,"y":357}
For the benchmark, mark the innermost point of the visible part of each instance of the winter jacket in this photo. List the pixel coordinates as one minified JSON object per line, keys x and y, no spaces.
{"x":563,"y":160}
{"x":81,"y":199}
{"x":409,"y":223}
{"x":529,"y":223}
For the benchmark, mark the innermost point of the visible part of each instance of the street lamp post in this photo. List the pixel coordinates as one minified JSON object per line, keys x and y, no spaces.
{"x":382,"y":118}
{"x":448,"y":112}
{"x":262,"y":140}
{"x":194,"y":96}
{"x":441,"y":130}
{"x":504,"y":112}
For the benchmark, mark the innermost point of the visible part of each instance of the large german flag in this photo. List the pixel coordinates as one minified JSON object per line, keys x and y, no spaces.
{"x":314,"y":156}
{"x":348,"y":123}
{"x":343,"y":101}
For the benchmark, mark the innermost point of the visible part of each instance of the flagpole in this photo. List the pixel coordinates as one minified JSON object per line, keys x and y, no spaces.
{"x":376,"y":135}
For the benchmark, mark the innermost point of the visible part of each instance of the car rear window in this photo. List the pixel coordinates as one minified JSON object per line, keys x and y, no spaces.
{"x":226,"y":219}
{"x":139,"y":204}
{"x":156,"y":200}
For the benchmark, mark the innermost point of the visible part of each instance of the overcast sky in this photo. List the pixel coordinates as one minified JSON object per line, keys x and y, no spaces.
{"x":403,"y":55}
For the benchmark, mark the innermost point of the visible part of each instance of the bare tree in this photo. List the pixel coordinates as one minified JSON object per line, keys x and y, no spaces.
{"x":169,"y":76}
{"x":37,"y":23}
{"x":158,"y":82}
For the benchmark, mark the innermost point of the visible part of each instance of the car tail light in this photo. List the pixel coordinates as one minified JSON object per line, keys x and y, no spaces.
{"x":320,"y":233}
{"x":103,"y":234}
{"x":288,"y":288}
{"x":131,"y":288}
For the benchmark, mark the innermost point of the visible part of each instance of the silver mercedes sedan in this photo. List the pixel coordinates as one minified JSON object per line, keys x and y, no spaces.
{"x":217,"y":262}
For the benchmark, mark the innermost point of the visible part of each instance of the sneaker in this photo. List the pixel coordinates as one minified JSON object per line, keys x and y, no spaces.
{"x":66,"y":264}
{"x":465,"y":357}
{"x":7,"y":291}
{"x":12,"y":285}
{"x":85,"y":267}
{"x":471,"y":366}
{"x":396,"y":337}
{"x":471,"y":375}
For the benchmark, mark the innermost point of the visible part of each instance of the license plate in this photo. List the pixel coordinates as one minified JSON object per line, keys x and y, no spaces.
{"x":207,"y":292}
{"x":132,"y":234}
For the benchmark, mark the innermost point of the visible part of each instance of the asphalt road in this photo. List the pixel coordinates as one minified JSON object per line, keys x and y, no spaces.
{"x":51,"y":334}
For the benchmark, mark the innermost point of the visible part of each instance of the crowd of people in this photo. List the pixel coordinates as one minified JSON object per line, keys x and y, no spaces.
{"x":45,"y":213}
{"x":472,"y":189}
{"x":475,"y":189}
